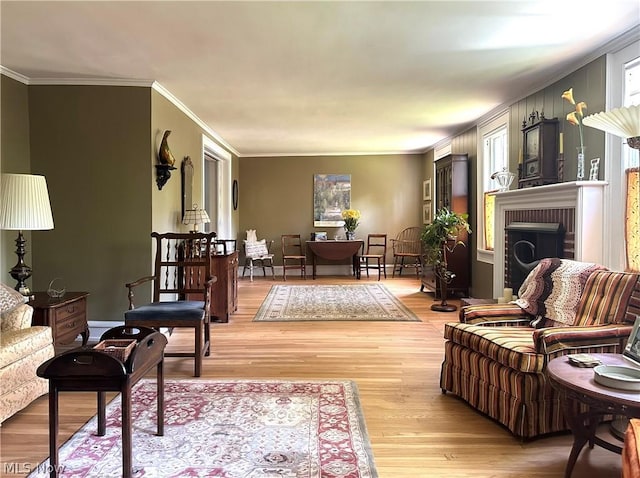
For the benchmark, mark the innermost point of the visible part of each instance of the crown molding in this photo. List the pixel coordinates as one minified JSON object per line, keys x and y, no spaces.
{"x":14,"y":75}
{"x":332,"y":153}
{"x":182,"y":107}
{"x":120,"y":82}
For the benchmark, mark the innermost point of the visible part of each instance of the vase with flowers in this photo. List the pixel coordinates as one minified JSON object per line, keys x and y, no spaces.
{"x":575,"y":118}
{"x":351,"y":220}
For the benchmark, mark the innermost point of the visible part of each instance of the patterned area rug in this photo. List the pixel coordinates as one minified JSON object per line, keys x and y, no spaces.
{"x":332,"y":302}
{"x":231,"y":429}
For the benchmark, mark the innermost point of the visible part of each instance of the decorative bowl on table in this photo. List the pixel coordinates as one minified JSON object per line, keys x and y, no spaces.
{"x":616,"y":376}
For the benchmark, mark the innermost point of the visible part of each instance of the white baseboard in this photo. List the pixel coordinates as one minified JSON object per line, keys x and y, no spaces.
{"x":321,"y":270}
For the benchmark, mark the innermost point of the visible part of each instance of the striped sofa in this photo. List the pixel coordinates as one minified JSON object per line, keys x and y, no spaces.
{"x":495,"y":359}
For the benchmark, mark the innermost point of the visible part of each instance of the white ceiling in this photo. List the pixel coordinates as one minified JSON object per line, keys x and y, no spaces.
{"x":277,"y":78}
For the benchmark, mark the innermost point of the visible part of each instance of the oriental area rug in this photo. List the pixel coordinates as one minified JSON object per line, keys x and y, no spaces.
{"x":362,"y":302}
{"x":231,"y":429}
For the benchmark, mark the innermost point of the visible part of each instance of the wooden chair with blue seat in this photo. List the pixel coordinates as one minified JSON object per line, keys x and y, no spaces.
{"x":181,"y":290}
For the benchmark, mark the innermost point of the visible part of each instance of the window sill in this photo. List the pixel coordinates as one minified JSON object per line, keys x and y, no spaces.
{"x":484,"y":256}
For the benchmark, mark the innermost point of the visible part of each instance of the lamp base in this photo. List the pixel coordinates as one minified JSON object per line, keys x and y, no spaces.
{"x":21,"y":272}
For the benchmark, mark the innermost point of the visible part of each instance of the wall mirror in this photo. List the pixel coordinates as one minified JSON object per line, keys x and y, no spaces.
{"x":187,"y":184}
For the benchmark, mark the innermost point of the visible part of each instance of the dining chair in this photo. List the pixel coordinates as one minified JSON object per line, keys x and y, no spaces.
{"x":258,"y":254}
{"x":293,"y":255}
{"x":374,"y":255}
{"x":407,"y":250}
{"x":181,"y":290}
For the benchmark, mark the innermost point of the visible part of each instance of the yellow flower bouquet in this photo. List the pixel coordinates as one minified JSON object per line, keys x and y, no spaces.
{"x":575,"y":117}
{"x":351,"y":218}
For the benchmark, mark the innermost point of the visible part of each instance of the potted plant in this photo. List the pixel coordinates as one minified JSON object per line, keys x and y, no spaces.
{"x":439,"y":238}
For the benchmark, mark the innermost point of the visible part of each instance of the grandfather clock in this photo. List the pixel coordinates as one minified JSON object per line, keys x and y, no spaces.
{"x":539,"y":162}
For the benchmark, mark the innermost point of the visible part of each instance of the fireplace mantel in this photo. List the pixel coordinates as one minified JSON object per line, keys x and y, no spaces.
{"x":585,"y":198}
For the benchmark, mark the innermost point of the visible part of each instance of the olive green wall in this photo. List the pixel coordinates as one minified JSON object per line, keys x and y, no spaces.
{"x":589,"y":85}
{"x":14,"y":158}
{"x":186,"y":139}
{"x":276,"y":194}
{"x":92,"y":144}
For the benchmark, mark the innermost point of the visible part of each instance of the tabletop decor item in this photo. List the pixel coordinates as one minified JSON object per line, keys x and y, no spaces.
{"x":56,"y":289}
{"x":351,"y":221}
{"x":575,"y":118}
{"x":504,"y":179}
{"x":166,"y":161}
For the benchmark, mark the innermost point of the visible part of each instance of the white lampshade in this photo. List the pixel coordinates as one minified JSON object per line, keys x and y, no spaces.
{"x":24,"y":203}
{"x":623,"y":122}
{"x":195,"y":216}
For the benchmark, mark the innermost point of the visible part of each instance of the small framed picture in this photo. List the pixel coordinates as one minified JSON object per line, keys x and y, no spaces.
{"x":426,"y":213}
{"x":426,"y":190}
{"x":632,"y":350}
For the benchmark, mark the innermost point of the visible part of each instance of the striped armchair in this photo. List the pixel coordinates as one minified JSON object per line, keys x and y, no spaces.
{"x":495,"y":359}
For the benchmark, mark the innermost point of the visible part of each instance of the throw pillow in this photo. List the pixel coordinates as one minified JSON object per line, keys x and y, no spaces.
{"x":251,"y":235}
{"x":256,"y":249}
{"x":10,"y":298}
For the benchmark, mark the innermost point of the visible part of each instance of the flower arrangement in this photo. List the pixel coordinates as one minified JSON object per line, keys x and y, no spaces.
{"x":575,"y":117}
{"x":351,"y":218}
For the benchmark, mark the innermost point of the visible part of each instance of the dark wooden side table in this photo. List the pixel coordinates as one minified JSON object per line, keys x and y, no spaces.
{"x":86,"y":369}
{"x":578,"y":384}
{"x":336,"y":251}
{"x":66,"y":316}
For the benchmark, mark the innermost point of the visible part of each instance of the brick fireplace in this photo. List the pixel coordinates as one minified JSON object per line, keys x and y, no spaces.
{"x":577,"y":206}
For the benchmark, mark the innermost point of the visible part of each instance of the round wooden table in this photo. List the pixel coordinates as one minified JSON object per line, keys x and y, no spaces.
{"x":578,"y":384}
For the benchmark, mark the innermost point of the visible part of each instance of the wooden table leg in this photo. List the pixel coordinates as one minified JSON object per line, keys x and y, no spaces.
{"x":53,"y":430}
{"x":160,"y":393}
{"x":581,"y":433}
{"x":126,"y":431}
{"x":313,"y":261}
{"x":102,"y":419}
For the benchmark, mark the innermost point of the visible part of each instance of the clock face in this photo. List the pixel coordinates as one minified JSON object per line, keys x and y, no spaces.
{"x":532,"y":168}
{"x":531,"y":142}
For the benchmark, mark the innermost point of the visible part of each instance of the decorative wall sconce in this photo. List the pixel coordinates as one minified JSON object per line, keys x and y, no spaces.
{"x":165,"y":162}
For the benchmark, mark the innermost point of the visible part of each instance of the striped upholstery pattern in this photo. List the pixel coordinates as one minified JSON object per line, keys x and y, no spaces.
{"x":510,"y":346}
{"x":495,"y":314}
{"x":609,"y":298}
{"x":500,"y":370}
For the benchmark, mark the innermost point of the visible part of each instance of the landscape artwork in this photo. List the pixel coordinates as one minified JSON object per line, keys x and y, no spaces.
{"x":331,"y":196}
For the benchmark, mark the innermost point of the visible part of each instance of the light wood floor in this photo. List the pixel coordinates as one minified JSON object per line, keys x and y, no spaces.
{"x":415,"y":430}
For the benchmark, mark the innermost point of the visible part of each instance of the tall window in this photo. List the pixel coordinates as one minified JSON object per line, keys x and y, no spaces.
{"x":493,"y":157}
{"x":631,"y":163}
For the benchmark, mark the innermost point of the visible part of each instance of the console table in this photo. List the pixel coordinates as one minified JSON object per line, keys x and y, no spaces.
{"x":66,"y":316}
{"x":577,"y":384}
{"x":335,"y":251}
{"x":87,"y":369}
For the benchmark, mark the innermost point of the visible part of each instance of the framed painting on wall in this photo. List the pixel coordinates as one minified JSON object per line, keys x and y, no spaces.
{"x":426,"y":213}
{"x":426,"y":190}
{"x":331,"y":196}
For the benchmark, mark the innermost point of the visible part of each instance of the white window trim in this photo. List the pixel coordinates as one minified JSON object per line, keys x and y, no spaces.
{"x":614,"y":194}
{"x":224,"y":213}
{"x":497,"y":121}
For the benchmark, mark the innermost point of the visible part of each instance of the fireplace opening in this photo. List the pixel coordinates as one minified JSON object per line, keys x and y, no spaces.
{"x":527,"y":243}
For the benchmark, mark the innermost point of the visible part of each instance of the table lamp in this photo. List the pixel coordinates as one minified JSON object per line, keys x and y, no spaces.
{"x":195,"y":216}
{"x":24,"y":206}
